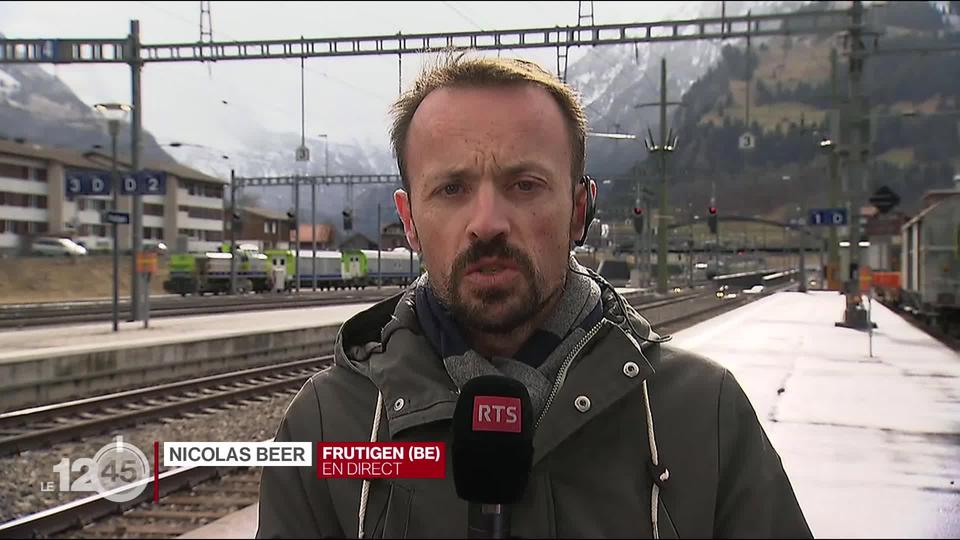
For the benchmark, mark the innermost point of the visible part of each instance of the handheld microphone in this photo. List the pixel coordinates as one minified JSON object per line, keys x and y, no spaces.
{"x":492,"y":451}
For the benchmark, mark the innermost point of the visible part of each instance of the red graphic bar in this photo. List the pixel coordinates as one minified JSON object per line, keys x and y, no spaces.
{"x":156,"y":472}
{"x":381,"y":460}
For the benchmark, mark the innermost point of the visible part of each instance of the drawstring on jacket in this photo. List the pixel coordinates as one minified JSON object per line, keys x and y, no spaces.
{"x":660,"y":474}
{"x":365,"y":490}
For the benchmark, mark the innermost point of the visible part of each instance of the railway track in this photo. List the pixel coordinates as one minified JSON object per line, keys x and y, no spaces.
{"x":193,"y":496}
{"x":38,"y":427}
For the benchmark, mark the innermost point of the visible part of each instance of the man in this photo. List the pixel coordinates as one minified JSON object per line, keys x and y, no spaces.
{"x":492,"y":157}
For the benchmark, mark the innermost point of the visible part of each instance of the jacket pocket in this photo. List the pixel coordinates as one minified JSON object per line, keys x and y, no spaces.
{"x":397,"y":518}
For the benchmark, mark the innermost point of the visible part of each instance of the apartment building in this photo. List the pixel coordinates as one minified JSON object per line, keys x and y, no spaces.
{"x":34,"y":202}
{"x":267,"y":229}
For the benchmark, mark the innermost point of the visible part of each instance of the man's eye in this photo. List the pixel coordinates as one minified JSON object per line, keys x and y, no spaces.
{"x":526,"y":185}
{"x":451,"y":189}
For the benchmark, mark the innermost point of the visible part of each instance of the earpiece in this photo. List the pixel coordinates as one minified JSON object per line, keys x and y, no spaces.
{"x":591,"y":210}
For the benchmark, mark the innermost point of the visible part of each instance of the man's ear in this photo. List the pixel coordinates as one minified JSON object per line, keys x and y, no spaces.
{"x":580,"y":203}
{"x":402,"y":200}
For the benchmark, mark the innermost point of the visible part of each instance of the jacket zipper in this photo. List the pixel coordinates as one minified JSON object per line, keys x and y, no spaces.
{"x":562,"y":374}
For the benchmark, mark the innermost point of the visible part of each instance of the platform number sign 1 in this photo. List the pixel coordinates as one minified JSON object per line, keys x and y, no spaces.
{"x":828,"y":216}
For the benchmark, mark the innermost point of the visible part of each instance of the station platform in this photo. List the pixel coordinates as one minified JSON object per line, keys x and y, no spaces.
{"x":871,"y":444}
{"x":96,"y":337}
{"x":32,"y":343}
{"x":52,"y":364}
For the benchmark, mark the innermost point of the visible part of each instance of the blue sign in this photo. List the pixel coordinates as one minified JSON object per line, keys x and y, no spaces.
{"x":117,"y":218}
{"x":144,"y":183}
{"x":87,"y":183}
{"x":827,"y":216}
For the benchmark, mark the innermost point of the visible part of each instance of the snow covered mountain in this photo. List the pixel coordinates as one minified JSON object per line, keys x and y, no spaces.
{"x":613,"y":80}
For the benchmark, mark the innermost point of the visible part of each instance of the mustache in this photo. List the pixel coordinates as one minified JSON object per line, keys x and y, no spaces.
{"x":495,"y":247}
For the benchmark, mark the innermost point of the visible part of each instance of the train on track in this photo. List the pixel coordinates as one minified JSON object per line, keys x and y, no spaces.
{"x":928,"y":283}
{"x":199,"y":274}
{"x":930,"y":265}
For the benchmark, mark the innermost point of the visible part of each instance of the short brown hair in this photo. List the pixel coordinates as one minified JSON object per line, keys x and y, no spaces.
{"x":455,"y":70}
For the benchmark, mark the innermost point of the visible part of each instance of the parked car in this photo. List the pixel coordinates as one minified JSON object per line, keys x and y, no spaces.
{"x":57,"y":247}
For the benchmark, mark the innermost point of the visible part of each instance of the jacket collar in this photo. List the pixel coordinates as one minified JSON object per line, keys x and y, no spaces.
{"x":386,"y":345}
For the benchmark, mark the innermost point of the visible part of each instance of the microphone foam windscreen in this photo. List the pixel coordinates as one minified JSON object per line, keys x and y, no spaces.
{"x":492,"y":447}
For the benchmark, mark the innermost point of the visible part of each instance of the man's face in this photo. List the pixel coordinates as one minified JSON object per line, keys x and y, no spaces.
{"x":490,"y":207}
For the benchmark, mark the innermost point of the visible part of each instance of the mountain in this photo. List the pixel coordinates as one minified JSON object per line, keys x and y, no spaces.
{"x":613,"y":80}
{"x":40,"y":108}
{"x":789,"y":103}
{"x":789,"y":106}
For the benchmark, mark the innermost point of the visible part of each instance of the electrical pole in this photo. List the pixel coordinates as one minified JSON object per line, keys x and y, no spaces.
{"x":233,"y":233}
{"x":136,"y":65}
{"x":662,"y":222}
{"x":379,"y":250}
{"x":690,"y":247}
{"x":856,"y":149}
{"x":834,"y":188}
{"x":803,"y":248}
{"x":638,"y":231}
{"x":114,"y":127}
{"x":296,"y":213}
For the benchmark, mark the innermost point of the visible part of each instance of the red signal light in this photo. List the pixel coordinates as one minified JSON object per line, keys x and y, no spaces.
{"x":637,"y":211}
{"x":713,"y":210}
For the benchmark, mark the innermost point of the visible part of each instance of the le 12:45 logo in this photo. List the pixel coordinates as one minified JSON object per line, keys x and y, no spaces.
{"x":115,"y":471}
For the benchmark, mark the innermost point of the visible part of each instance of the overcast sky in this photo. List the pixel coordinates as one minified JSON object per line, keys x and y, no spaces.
{"x":347,"y":98}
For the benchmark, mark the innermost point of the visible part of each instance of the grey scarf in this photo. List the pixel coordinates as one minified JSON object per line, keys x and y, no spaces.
{"x":538,"y":360}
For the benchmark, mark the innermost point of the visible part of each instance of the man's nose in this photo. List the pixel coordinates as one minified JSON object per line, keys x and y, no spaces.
{"x":488,"y":214}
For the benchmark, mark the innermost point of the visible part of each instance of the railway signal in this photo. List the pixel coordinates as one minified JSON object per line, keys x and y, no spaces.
{"x":638,"y":220}
{"x":712,"y":219}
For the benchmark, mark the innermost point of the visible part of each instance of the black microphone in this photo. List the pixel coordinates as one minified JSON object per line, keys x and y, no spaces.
{"x":492,"y":451}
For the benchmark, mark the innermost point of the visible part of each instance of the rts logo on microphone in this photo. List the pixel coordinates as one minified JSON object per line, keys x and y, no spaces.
{"x":495,"y":413}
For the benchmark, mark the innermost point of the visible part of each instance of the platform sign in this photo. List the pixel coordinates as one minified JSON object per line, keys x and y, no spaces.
{"x":747,"y":141}
{"x":827,"y":216}
{"x":117,"y":218}
{"x":146,"y":262}
{"x":83,"y":183}
{"x":144,"y":183}
{"x":866,"y":280}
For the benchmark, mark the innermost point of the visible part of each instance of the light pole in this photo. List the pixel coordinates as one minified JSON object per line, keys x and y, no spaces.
{"x":114,"y":113}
